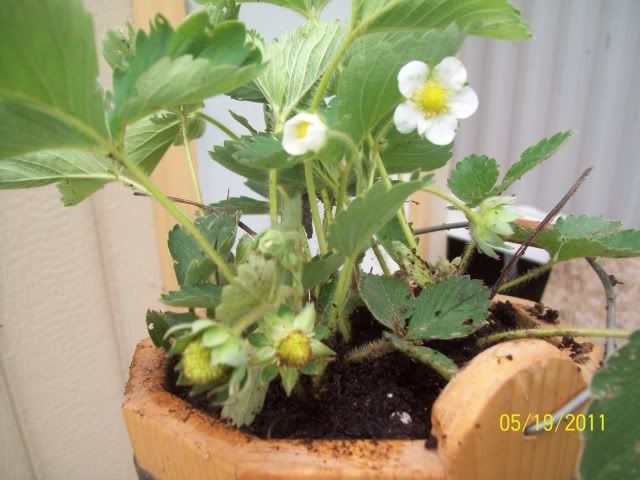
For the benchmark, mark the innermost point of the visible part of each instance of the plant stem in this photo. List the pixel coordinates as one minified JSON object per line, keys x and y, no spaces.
{"x":439,"y":228}
{"x":313,"y":204}
{"x":344,"y":283}
{"x":342,"y":188}
{"x":273,"y":196}
{"x":531,"y":274}
{"x":326,"y":202}
{"x":218,"y":124}
{"x":182,"y":218}
{"x":380,"y":257}
{"x":404,"y":225}
{"x":470,"y":214}
{"x":369,"y":351}
{"x":331,"y":67}
{"x":190,"y":162}
{"x":608,"y":282}
{"x":466,"y":257}
{"x":553,"y":332}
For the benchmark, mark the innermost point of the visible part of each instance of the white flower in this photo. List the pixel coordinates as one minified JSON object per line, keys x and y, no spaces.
{"x":305,"y":132}
{"x":436,"y":99}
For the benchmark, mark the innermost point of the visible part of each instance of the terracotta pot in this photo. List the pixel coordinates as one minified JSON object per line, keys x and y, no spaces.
{"x":173,"y":441}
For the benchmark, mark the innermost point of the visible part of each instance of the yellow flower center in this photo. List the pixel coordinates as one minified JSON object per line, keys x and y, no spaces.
{"x":301,"y":129}
{"x":294,"y":350}
{"x":432,"y":99}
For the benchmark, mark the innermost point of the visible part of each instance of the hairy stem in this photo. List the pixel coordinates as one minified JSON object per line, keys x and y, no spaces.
{"x":326,"y":202}
{"x":466,"y":257}
{"x":218,"y":124}
{"x":313,"y":204}
{"x":608,"y":282}
{"x":404,"y":225}
{"x":369,"y":351}
{"x":553,"y":332}
{"x":376,"y":251}
{"x":190,"y":162}
{"x":273,"y":196}
{"x":177,"y":213}
{"x":530,"y":275}
{"x":340,"y":296}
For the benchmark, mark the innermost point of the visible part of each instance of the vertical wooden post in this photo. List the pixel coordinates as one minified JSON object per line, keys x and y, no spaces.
{"x":172,"y":175}
{"x":427,"y":210}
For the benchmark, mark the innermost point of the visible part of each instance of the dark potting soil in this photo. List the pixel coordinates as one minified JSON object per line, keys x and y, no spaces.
{"x":387,"y":398}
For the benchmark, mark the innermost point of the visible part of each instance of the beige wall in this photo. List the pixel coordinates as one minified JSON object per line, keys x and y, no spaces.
{"x":74,"y":286}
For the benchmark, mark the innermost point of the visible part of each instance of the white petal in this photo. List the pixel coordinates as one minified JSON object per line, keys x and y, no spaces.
{"x":464,"y":103}
{"x":441,"y":130}
{"x":451,"y":73}
{"x":316,"y":136}
{"x":406,"y":117}
{"x":412,"y":77}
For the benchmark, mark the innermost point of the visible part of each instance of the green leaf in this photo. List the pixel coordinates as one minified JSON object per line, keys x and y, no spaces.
{"x":532,"y":157}
{"x":579,"y":236}
{"x":295,"y":63}
{"x":243,"y":205}
{"x":319,"y":269}
{"x":227,"y":155}
{"x":368,"y":88}
{"x":117,"y":47}
{"x":49,"y":97}
{"x":388,"y":299}
{"x":191,"y":265}
{"x":265,"y":151}
{"x":255,"y":286}
{"x":455,"y":307}
{"x":243,"y":121}
{"x":309,"y":8}
{"x":169,"y":69}
{"x":243,"y":406}
{"x":612,"y":451}
{"x":52,"y":166}
{"x":474,"y":179}
{"x":488,"y":18}
{"x":353,"y":228}
{"x":148,"y":140}
{"x":158,"y":323}
{"x":201,"y":296}
{"x":391,"y":232}
{"x":79,"y":174}
{"x":407,"y":153}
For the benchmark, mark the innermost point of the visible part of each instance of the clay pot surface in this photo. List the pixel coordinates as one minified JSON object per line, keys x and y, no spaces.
{"x":174,"y":441}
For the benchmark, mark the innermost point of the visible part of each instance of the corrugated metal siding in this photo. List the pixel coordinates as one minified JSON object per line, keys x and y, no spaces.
{"x":580,"y":71}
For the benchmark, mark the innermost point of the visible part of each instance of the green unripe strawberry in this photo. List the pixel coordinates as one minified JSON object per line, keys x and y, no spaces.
{"x":196,"y":365}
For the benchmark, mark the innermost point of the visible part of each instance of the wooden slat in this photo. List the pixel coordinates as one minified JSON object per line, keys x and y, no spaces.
{"x":172,"y":175}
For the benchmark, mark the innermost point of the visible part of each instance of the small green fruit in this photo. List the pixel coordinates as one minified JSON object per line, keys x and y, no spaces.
{"x":294,"y":350}
{"x":196,"y":365}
